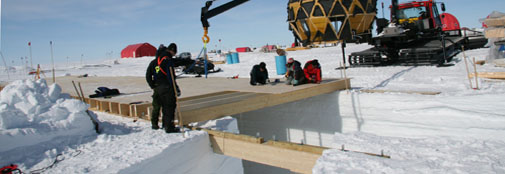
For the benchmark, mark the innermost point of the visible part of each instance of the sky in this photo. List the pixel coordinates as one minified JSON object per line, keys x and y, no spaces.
{"x":97,"y":29}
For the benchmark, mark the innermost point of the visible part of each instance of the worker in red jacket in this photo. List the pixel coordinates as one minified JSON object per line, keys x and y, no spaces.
{"x":312,"y":70}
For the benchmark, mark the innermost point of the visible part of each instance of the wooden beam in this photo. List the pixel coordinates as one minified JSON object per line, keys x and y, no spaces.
{"x":293,"y":160}
{"x":228,"y":135}
{"x":297,"y":48}
{"x":406,"y":92}
{"x":246,"y":103}
{"x":114,"y":107}
{"x":206,"y":95}
{"x":298,"y":147}
{"x":495,"y":33}
{"x":93,"y":104}
{"x":103,"y":106}
{"x":489,"y":75}
{"x":495,"y":22}
{"x":124,"y":110}
{"x":142,"y":111}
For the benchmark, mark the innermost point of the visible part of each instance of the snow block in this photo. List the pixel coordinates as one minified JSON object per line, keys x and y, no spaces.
{"x":32,"y":113}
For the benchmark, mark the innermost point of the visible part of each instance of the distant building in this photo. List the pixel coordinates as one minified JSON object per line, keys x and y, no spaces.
{"x":243,"y":49}
{"x":138,"y":50}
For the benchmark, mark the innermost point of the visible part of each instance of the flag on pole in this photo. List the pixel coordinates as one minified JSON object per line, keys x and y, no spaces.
{"x":29,"y":43}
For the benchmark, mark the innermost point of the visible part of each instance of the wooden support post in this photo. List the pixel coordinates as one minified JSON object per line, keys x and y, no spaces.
{"x":124,"y":110}
{"x":475,"y":71}
{"x":114,"y":107}
{"x":345,"y":78}
{"x":466,"y":65}
{"x":93,"y":104}
{"x":103,"y":106}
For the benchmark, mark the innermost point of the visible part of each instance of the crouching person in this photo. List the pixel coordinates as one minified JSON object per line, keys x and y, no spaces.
{"x":294,"y":73}
{"x":312,"y":71}
{"x":259,"y":74}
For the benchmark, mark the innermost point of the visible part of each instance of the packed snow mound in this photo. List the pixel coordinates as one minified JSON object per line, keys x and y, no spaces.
{"x":32,"y":112}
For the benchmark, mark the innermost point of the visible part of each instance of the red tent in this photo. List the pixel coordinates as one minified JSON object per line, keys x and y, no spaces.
{"x":138,"y":50}
{"x":243,"y":49}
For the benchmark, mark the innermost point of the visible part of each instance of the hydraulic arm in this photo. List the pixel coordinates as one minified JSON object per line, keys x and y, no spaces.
{"x":207,"y":14}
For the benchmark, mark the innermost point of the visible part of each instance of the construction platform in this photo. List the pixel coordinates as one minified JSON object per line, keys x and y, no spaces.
{"x":207,"y":99}
{"x":201,"y":100}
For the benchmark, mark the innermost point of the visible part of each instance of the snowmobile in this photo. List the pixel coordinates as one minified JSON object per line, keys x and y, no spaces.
{"x":190,"y":66}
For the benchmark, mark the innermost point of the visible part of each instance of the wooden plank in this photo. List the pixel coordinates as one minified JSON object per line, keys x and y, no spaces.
{"x":103,"y":106}
{"x":495,"y":33}
{"x":141,"y":110}
{"x":93,"y":104}
{"x":298,"y":147}
{"x":228,"y":135}
{"x":394,"y":91}
{"x":495,"y":22}
{"x":293,"y":160}
{"x":259,"y":101}
{"x":114,"y":107}
{"x":297,"y":48}
{"x":206,"y":95}
{"x":219,"y":101}
{"x":204,"y":99}
{"x":124,"y":110}
{"x":489,"y":75}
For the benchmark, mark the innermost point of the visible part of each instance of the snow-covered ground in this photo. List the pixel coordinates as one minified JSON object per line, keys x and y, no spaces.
{"x":461,"y":130}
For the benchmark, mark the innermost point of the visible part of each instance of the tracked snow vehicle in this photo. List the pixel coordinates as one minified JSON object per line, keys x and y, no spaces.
{"x":416,"y":35}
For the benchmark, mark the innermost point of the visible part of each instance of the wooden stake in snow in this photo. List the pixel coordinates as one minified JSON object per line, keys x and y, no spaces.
{"x":76,"y":91}
{"x":466,"y":65}
{"x":345,"y":78}
{"x":31,"y":62}
{"x":341,"y":72}
{"x":95,"y":122}
{"x":5,"y":64}
{"x":476,"y":76}
{"x":52,"y":59}
{"x":179,"y":115}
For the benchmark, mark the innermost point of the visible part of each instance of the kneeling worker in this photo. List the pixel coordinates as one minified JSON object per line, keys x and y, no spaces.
{"x":259,"y":74}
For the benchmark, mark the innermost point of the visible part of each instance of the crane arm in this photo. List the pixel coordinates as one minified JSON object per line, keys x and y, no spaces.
{"x":207,"y":14}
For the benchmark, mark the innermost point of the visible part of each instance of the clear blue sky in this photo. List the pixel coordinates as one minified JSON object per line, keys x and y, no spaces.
{"x":97,"y":28}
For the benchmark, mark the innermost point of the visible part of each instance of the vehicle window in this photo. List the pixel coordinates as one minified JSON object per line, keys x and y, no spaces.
{"x":413,"y":12}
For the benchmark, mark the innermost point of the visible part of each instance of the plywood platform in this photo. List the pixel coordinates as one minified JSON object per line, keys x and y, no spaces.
{"x":202,"y":99}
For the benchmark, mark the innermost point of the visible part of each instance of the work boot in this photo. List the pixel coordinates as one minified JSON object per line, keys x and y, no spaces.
{"x":155,"y":127}
{"x":172,"y":130}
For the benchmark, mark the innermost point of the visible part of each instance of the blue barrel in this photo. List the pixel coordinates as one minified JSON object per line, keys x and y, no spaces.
{"x":229,"y":60}
{"x":280,"y":64}
{"x":234,"y":58}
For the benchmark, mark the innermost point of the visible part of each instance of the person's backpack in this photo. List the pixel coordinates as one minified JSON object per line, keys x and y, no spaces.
{"x":104,"y":92}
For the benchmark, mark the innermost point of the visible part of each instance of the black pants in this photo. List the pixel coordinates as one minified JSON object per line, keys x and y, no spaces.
{"x":164,"y":98}
{"x":258,"y":77}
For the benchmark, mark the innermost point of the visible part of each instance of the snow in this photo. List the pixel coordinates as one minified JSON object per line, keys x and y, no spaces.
{"x":460,"y":130}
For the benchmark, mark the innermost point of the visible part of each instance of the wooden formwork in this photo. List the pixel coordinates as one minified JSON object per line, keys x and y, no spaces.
{"x":219,"y":104}
{"x":294,"y":157}
{"x":297,"y":158}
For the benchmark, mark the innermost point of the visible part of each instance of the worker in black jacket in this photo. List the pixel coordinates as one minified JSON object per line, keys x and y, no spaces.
{"x":259,"y":74}
{"x":159,"y":77}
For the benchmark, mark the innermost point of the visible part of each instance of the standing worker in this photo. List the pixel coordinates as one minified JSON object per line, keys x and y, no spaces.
{"x":159,"y":78}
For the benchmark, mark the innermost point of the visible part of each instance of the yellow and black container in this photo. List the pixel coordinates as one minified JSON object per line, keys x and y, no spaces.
{"x":326,"y":21}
